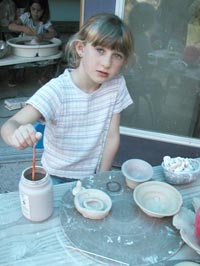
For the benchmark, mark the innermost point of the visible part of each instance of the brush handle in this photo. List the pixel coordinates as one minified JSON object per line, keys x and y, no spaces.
{"x":33,"y":161}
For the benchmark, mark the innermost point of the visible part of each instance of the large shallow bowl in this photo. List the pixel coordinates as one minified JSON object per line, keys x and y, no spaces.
{"x":136,"y":171}
{"x":182,"y":177}
{"x":21,"y":47}
{"x":157,"y":199}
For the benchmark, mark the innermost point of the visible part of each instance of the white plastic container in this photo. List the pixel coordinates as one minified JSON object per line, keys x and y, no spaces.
{"x":36,"y":196}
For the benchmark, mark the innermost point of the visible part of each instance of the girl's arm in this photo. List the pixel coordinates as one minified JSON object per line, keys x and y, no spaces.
{"x":19,"y":131}
{"x":111,"y":145}
{"x":17,"y":26}
{"x":51,"y":33}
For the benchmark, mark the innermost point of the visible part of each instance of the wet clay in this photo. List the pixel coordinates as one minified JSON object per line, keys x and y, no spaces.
{"x":38,"y":176}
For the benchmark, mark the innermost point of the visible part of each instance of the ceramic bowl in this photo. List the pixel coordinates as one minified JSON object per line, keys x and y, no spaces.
{"x":184,"y":221}
{"x":157,"y":199}
{"x":3,"y":48}
{"x":183,"y":177}
{"x":93,"y":203}
{"x":187,"y":263}
{"x":136,"y":171}
{"x":20,"y":47}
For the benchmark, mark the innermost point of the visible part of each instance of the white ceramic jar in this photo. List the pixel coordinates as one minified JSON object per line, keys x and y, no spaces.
{"x":36,"y":196}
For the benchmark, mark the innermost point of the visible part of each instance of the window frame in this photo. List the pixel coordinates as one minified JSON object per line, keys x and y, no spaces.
{"x":170,"y":138}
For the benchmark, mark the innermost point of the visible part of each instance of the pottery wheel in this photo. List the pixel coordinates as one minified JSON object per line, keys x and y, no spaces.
{"x":126,"y":234}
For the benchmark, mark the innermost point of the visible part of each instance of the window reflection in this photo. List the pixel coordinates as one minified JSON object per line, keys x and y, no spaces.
{"x":164,"y":75}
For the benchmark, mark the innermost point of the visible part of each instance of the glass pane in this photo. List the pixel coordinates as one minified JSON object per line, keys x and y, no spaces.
{"x":164,"y":75}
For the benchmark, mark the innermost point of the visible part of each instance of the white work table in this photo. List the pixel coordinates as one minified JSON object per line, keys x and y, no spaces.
{"x":11,"y":59}
{"x":38,"y":244}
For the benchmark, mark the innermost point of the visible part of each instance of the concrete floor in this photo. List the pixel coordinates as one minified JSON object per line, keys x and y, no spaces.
{"x":13,"y":161}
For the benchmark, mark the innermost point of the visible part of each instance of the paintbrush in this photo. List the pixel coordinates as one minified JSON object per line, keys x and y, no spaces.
{"x":33,"y":161}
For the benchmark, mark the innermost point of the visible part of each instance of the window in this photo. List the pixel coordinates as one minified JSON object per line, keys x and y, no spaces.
{"x":164,"y":74}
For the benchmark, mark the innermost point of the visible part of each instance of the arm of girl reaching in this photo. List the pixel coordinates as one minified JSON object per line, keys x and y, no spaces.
{"x":49,"y":34}
{"x":18,"y":131}
{"x":111,"y":144}
{"x":17,"y":26}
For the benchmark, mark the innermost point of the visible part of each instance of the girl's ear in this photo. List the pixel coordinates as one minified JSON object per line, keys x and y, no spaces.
{"x":80,"y":48}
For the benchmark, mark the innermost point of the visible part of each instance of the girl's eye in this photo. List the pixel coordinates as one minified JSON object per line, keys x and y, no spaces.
{"x":100,"y":50}
{"x":35,"y":9}
{"x":118,"y":56}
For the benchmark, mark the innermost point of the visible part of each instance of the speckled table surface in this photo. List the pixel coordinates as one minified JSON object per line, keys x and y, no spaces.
{"x":38,"y":244}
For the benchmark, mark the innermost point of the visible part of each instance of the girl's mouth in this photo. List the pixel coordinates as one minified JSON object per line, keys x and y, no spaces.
{"x":103,"y":74}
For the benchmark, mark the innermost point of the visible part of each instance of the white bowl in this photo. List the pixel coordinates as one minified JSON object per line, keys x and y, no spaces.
{"x":3,"y":48}
{"x":136,"y":171}
{"x":184,"y":221}
{"x":93,"y":203}
{"x":187,"y":263}
{"x":157,"y":199}
{"x":182,"y":177}
{"x":27,"y":50}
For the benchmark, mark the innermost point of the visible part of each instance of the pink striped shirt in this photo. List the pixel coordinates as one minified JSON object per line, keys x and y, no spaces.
{"x":77,"y":123}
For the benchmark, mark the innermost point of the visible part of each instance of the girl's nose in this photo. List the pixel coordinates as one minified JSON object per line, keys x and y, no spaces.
{"x":107,"y":61}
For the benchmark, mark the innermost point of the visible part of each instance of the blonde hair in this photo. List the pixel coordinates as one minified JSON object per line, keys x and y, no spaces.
{"x":106,"y":30}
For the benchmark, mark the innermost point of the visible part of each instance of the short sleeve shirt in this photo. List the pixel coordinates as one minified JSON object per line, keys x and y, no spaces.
{"x":77,"y":123}
{"x":40,"y":28}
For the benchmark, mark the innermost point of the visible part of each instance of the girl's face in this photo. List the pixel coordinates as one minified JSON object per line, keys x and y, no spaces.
{"x":99,"y":63}
{"x":36,"y":11}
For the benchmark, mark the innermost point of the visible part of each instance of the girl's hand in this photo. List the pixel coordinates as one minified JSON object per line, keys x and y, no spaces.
{"x":29,"y":31}
{"x":24,"y":137}
{"x":39,"y":37}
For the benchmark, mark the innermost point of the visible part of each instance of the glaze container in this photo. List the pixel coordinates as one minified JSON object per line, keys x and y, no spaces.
{"x":36,"y":196}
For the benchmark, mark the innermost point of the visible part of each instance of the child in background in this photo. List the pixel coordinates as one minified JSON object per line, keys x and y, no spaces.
{"x":34,"y":22}
{"x":81,"y":108}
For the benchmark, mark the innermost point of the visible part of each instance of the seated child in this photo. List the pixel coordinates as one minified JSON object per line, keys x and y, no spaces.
{"x":34,"y":22}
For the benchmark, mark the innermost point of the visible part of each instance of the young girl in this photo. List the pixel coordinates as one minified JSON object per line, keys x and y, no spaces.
{"x":34,"y":22}
{"x":81,"y":108}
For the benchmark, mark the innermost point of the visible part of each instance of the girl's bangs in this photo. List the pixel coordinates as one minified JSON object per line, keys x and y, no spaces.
{"x":113,"y":40}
